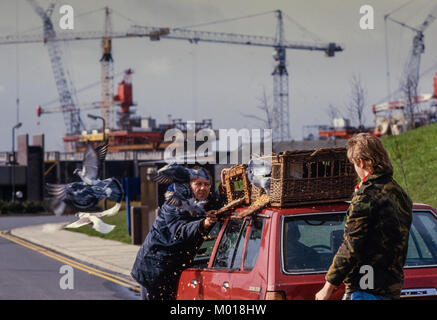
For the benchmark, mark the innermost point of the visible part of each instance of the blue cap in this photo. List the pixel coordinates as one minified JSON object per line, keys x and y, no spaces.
{"x":199,"y":173}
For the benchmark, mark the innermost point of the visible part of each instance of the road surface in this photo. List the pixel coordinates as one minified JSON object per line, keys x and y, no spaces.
{"x":27,"y":273}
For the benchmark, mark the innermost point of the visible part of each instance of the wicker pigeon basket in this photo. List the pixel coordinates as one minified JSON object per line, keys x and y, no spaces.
{"x":236,"y":183}
{"x":309,"y":176}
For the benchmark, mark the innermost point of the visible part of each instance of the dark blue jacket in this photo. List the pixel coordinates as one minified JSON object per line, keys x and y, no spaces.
{"x":170,"y":245}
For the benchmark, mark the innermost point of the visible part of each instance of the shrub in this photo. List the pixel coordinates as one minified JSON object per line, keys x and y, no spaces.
{"x":21,"y":207}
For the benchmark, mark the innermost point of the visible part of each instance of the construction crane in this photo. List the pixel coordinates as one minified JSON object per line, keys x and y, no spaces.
{"x":280,"y":127}
{"x":68,"y":105}
{"x":71,"y":114}
{"x":281,"y":114}
{"x":410,"y":81}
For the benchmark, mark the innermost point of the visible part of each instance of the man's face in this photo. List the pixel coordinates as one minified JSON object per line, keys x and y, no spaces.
{"x":200,"y":188}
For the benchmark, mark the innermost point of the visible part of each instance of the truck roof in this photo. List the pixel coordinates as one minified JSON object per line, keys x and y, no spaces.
{"x":319,"y":208}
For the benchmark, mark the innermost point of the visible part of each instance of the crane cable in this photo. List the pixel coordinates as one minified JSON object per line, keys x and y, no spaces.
{"x":200,"y":24}
{"x":304,"y":29}
{"x":87,"y":87}
{"x":228,"y":20}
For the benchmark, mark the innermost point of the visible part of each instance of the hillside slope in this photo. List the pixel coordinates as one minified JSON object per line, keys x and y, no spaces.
{"x":414,"y":158}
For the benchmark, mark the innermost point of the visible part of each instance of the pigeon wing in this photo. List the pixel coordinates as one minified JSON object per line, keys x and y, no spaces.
{"x":101,"y":151}
{"x":100,"y":226}
{"x":172,"y":173}
{"x":91,"y":163}
{"x":163,"y":177}
{"x":174,"y":200}
{"x":56,"y":190}
{"x":111,"y":211}
{"x":83,"y":220}
{"x":58,"y":206}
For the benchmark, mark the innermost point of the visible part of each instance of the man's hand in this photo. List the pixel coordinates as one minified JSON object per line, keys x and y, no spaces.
{"x":326,"y":291}
{"x":210,"y":220}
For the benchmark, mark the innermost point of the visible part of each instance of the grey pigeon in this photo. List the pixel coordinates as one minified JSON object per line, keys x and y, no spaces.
{"x":172,"y":173}
{"x":91,"y":163}
{"x":180,"y":195}
{"x":177,"y":173}
{"x":83,"y":195}
{"x":259,"y":171}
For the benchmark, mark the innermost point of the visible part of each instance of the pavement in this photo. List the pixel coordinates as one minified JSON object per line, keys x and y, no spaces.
{"x":111,"y":255}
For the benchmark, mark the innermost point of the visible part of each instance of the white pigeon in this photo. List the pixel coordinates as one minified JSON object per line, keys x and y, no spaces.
{"x":259,"y":171}
{"x":94,"y":219}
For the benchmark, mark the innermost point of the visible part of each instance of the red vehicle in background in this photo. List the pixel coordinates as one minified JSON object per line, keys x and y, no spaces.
{"x":285,"y":253}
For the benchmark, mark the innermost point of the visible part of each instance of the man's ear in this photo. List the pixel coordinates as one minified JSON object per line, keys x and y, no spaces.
{"x":366,"y":165}
{"x":362,"y":164}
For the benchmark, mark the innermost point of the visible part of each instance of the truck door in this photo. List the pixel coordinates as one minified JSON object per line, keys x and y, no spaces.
{"x":249,"y":280}
{"x":216,"y":282}
{"x":191,"y":279}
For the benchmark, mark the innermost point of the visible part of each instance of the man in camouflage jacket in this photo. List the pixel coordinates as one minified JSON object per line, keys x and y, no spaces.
{"x":376,"y":231}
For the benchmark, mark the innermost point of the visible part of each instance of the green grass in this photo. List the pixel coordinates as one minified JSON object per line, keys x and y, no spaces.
{"x":414,"y":158}
{"x":119,"y":233}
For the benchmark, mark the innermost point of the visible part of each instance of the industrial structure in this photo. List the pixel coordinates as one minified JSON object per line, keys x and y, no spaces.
{"x":391,"y":118}
{"x":71,"y":108}
{"x":412,"y":109}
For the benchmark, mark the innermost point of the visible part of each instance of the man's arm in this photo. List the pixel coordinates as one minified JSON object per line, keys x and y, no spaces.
{"x":183,"y":228}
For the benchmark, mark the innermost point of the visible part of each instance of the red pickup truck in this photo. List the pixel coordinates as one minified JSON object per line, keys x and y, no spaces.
{"x":285,"y":253}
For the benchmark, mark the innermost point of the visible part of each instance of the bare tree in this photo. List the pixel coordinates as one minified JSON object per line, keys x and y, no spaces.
{"x":409,"y":91}
{"x":267,"y":108}
{"x":357,"y":103}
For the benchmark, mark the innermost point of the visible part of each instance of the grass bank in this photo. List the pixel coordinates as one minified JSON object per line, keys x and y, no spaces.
{"x":414,"y":158}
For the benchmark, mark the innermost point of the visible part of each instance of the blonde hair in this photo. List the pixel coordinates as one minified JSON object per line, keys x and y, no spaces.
{"x":369,"y":148}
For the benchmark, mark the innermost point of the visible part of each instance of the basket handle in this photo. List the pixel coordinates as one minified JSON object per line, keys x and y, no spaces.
{"x":315,"y":152}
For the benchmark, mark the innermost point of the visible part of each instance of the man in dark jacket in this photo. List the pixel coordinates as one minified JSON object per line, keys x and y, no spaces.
{"x":371,"y":258}
{"x":172,"y":243}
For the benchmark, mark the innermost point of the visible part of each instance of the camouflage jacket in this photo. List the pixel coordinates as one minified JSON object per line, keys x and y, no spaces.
{"x":376,"y":234}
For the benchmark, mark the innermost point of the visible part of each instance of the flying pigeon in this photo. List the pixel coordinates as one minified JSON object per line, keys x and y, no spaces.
{"x":93,"y":218}
{"x":176,"y":173}
{"x":82,"y":195}
{"x":259,"y":172}
{"x":91,"y":163}
{"x":172,"y":173}
{"x":180,"y":195}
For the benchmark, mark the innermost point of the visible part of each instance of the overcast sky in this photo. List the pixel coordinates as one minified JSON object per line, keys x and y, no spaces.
{"x":209,"y":80}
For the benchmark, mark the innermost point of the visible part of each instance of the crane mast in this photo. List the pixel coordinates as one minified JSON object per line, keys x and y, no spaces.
{"x":281,"y":107}
{"x":71,"y":114}
{"x":107,"y":66}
